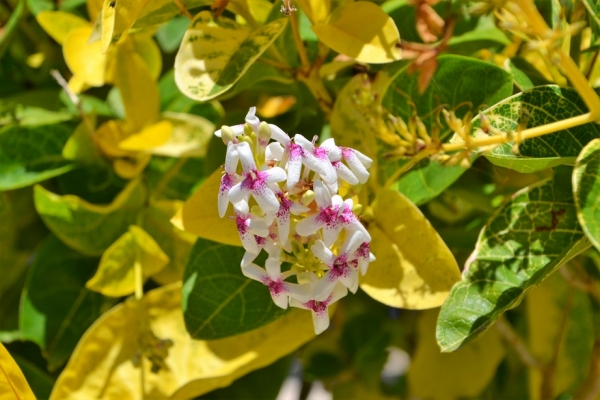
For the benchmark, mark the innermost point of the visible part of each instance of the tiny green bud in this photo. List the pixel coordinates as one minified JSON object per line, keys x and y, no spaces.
{"x":357,"y":209}
{"x":248,"y":140}
{"x":227,"y":134}
{"x":264,"y":131}
{"x":307,"y":198}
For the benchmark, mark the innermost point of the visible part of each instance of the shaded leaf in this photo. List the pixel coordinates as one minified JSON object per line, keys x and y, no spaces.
{"x":374,"y":42}
{"x":414,"y":267}
{"x":13,"y":384}
{"x":32,"y":154}
{"x":218,"y":300}
{"x":547,"y":307}
{"x":115,"y":276}
{"x":524,"y":242}
{"x":199,"y":215}
{"x":215,"y":54}
{"x":193,"y":367}
{"x":457,"y":80}
{"x":316,"y":10}
{"x":54,"y":322}
{"x":86,"y":227}
{"x":458,"y":375}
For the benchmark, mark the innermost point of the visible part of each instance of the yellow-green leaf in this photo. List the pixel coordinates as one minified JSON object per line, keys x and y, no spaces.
{"x":101,"y":363}
{"x":81,"y":147}
{"x":117,"y":17}
{"x":115,"y":276}
{"x":316,"y":10}
{"x":176,"y":243}
{"x":363,"y":31}
{"x":147,"y":48}
{"x":85,"y":227}
{"x":150,"y":137}
{"x":13,"y":384}
{"x":414,"y":267}
{"x":215,"y":54}
{"x":138,"y":89}
{"x":546,"y":308}
{"x":58,"y":24}
{"x":200,"y":216}
{"x":436,"y":375}
{"x":190,"y":137}
{"x":85,"y":60}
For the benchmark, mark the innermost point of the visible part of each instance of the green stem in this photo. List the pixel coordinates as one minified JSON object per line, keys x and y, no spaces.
{"x":10,"y":26}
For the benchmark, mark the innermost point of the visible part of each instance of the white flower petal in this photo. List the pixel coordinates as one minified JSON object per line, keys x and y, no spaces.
{"x":249,"y":242}
{"x":252,"y":119}
{"x":237,"y":130}
{"x":274,"y":151}
{"x":248,"y":258}
{"x":246,"y":157}
{"x":307,"y":226}
{"x":278,"y":134}
{"x":294,"y":169}
{"x":273,"y":268}
{"x":320,"y":321}
{"x":322,"y":290}
{"x":352,"y":243}
{"x":298,"y":304}
{"x":275,"y":174}
{"x":334,"y":152}
{"x":301,"y":293}
{"x":366,"y":161}
{"x":298,"y":208}
{"x":355,"y":165}
{"x":330,"y":234}
{"x":281,"y":300}
{"x":283,"y":225}
{"x":223,"y":203}
{"x":255,"y":272}
{"x":323,"y":253}
{"x":266,"y":200}
{"x":322,"y":194}
{"x":350,"y":280}
{"x":305,"y":143}
{"x":344,"y":173}
{"x":232,"y":157}
{"x":237,"y":193}
{"x":258,"y":227}
{"x":338,"y":292}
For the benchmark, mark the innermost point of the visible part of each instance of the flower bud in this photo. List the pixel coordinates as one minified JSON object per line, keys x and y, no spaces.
{"x":357,"y":209}
{"x":264,"y":132}
{"x":248,"y":129}
{"x":227,"y":134}
{"x":307,"y":198}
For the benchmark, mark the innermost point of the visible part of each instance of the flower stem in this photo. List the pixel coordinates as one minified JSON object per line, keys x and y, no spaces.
{"x":184,"y":11}
{"x":525,"y":134}
{"x":300,"y":44}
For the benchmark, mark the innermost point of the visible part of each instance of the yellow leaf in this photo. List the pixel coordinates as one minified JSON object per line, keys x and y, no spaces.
{"x":199,"y":215}
{"x":447,"y":376}
{"x":101,"y":365}
{"x":414,"y":267}
{"x":176,"y":243}
{"x":259,"y":9}
{"x":117,"y":17}
{"x":115,"y":276}
{"x":94,"y":8}
{"x":84,"y":59}
{"x":147,"y":48}
{"x":151,"y":136}
{"x":58,"y":24}
{"x":77,"y":85}
{"x":214,"y":54}
{"x":316,"y":10}
{"x":108,"y":138}
{"x":138,"y":89}
{"x":190,"y":137}
{"x":361,"y":30}
{"x":12,"y":382}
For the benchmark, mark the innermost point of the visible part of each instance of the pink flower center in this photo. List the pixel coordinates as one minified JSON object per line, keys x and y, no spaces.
{"x":340,"y":266}
{"x":364,"y":250}
{"x":321,"y":153}
{"x":243,"y":224}
{"x":254,"y":180}
{"x":317,"y":306}
{"x":328,"y":216}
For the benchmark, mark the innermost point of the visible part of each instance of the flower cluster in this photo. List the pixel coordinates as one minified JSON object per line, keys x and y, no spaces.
{"x":285,"y":200}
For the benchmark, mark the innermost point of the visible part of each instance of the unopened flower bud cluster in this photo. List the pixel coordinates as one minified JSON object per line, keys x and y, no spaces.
{"x":285,"y":199}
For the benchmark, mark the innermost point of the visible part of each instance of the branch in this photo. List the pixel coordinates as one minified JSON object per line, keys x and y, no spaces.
{"x":590,"y":389}
{"x":513,"y":340}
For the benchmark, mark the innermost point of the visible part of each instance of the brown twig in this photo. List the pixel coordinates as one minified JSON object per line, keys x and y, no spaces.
{"x":184,"y":11}
{"x":513,"y":340}
{"x":590,"y":389}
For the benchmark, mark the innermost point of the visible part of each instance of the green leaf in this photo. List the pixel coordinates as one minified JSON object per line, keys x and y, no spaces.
{"x":56,"y":308}
{"x":551,"y":307}
{"x":157,"y":12}
{"x":525,"y":241}
{"x":169,"y":35}
{"x":484,"y":36}
{"x":586,"y":187}
{"x":535,"y":107}
{"x":40,"y":381}
{"x":215,"y":54}
{"x":218,"y":301}
{"x":86,"y":227}
{"x":457,"y":80}
{"x":32,"y":154}
{"x":175,"y":179}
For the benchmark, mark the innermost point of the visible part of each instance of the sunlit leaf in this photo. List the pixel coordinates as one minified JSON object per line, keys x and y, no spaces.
{"x":139,"y":91}
{"x":102,"y":360}
{"x":215,"y":54}
{"x":189,"y":138}
{"x":147,"y":48}
{"x":115,"y":276}
{"x":524,"y":242}
{"x":347,"y":33}
{"x":117,"y":17}
{"x":316,"y":10}
{"x":80,"y":146}
{"x":32,"y":154}
{"x":56,"y":322}
{"x":12,"y":382}
{"x":414,"y":267}
{"x":551,"y":307}
{"x":218,"y":301}
{"x":148,"y":138}
{"x":586,"y":186}
{"x":87,"y":227}
{"x":85,"y":60}
{"x":58,"y":24}
{"x":199,"y":215}
{"x":463,"y":374}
